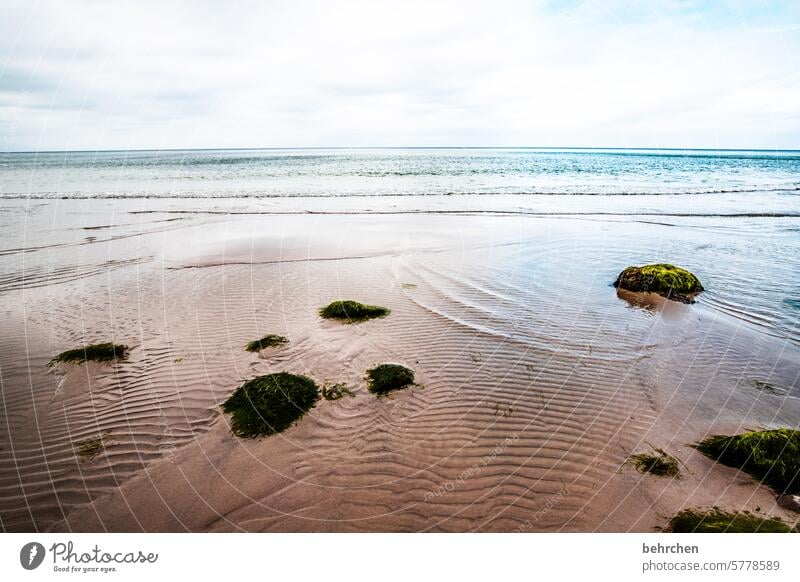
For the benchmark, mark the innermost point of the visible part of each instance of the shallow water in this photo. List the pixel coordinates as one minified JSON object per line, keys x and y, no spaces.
{"x":539,"y":378}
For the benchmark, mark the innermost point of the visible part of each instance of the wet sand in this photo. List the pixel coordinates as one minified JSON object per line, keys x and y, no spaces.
{"x":536,"y":379}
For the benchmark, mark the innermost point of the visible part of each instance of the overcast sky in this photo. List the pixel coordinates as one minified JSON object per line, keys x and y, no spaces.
{"x":124,"y":75}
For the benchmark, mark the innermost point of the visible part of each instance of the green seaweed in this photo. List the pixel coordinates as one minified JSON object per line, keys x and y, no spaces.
{"x":387,"y":377}
{"x":336,"y":391}
{"x":666,"y":280}
{"x":771,"y":456}
{"x":267,"y":341}
{"x":98,"y":352}
{"x":658,"y":462}
{"x":715,"y":520}
{"x":352,"y":311}
{"x":269,"y":404}
{"x":768,"y":388}
{"x":90,"y":448}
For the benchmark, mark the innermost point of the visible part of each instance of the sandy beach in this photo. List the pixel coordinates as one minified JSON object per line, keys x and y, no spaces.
{"x":536,"y":379}
{"x":336,"y":276}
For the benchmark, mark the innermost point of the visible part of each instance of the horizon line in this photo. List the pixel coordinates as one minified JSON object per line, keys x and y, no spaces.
{"x":471,"y":147}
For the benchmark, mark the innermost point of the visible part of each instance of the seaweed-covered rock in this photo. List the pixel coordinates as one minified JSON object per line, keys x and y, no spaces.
{"x":666,"y":280}
{"x":717,"y":521}
{"x":771,"y":456}
{"x":269,"y":404}
{"x":352,"y":311}
{"x":105,"y":352}
{"x":267,"y":341}
{"x":387,"y":377}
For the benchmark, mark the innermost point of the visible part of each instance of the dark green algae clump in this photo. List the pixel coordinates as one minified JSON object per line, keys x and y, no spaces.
{"x":658,"y":462}
{"x":336,"y":391}
{"x":268,"y":341}
{"x":352,"y":311}
{"x":771,"y":456}
{"x":270,"y":404}
{"x":387,"y":377}
{"x":666,"y":280}
{"x":105,"y":352}
{"x":715,"y":520}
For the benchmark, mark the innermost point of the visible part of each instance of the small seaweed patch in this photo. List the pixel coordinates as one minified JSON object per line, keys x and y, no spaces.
{"x":408,"y":285}
{"x":352,"y":311}
{"x":717,"y":521}
{"x":269,"y":404}
{"x":98,"y":352}
{"x":505,"y":412}
{"x":336,"y":391}
{"x":387,"y":377}
{"x":667,"y":280}
{"x":771,"y":456}
{"x":768,"y":388}
{"x":90,"y":448}
{"x":267,"y":341}
{"x":657,"y":462}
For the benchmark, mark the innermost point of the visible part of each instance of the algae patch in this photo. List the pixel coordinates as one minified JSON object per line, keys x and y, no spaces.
{"x":768,"y":388}
{"x":268,"y":341}
{"x":352,"y":311}
{"x":90,"y":448}
{"x":718,"y":521}
{"x":269,"y":404}
{"x":336,"y":391}
{"x":666,"y":280}
{"x":771,"y":456}
{"x":658,"y":462}
{"x":104,"y":352}
{"x":387,"y":377}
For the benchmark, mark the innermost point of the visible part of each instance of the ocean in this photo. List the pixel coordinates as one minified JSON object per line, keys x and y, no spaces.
{"x":396,"y":172}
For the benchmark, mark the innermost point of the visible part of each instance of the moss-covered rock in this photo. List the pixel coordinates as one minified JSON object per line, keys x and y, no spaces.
{"x":717,"y":521}
{"x":267,"y":341}
{"x":387,"y":377}
{"x":771,"y":456}
{"x":269,"y":404}
{"x":657,"y":462}
{"x":97,"y":352}
{"x":352,"y":311}
{"x":666,"y":280}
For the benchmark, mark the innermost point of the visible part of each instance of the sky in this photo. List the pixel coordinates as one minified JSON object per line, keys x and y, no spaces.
{"x":94,"y":75}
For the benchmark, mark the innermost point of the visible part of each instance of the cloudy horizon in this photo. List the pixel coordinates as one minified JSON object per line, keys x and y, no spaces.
{"x":141,"y":75}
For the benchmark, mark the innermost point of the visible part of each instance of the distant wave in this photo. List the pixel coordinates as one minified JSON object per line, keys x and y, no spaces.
{"x":255,"y":195}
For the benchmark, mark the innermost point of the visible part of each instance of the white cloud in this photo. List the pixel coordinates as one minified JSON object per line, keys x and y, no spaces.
{"x":96,"y":75}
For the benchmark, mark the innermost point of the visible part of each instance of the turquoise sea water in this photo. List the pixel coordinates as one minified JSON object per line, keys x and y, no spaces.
{"x":396,"y":172}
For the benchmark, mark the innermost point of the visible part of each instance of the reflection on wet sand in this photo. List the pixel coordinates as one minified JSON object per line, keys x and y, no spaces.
{"x":535,"y":379}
